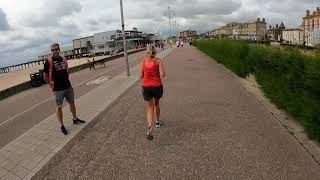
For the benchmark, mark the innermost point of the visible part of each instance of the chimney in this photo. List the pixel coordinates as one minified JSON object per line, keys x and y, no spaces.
{"x":258,"y":19}
{"x":263,"y":20}
{"x":308,"y":13}
{"x":270,"y":27}
{"x":277,"y":26}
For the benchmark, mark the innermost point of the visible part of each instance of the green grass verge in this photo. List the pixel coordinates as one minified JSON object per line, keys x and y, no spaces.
{"x":291,"y":80}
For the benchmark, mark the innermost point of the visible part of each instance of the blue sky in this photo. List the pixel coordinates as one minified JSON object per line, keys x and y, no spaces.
{"x":27,"y":27}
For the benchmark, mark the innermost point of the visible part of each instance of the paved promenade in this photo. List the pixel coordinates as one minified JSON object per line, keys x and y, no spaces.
{"x":214,"y":129}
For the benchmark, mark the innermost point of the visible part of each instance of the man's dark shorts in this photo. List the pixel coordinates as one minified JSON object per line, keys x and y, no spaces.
{"x":152,"y":92}
{"x":60,"y":95}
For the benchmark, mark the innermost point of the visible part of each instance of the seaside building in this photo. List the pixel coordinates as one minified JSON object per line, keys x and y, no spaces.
{"x":311,"y":28}
{"x":188,"y":34}
{"x":105,"y":42}
{"x":274,"y":33}
{"x":293,"y":36}
{"x":83,"y":46}
{"x":134,"y":38}
{"x":255,"y":30}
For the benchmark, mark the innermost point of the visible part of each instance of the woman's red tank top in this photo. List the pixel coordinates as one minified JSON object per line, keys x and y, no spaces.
{"x":151,"y":73}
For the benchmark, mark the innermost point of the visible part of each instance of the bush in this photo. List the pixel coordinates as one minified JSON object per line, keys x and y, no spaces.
{"x":220,"y":50}
{"x":291,"y":80}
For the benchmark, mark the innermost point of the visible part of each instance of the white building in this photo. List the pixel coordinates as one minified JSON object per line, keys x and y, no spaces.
{"x":311,"y":25}
{"x":105,"y":42}
{"x":134,"y":38}
{"x":109,"y":41}
{"x":83,"y":46}
{"x":293,"y":36}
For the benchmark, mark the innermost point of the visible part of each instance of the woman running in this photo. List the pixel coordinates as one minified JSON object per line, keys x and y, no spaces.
{"x":152,"y":70}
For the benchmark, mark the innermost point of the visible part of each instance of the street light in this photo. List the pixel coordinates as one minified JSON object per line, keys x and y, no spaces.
{"x":124,"y":40}
{"x":170,"y":13}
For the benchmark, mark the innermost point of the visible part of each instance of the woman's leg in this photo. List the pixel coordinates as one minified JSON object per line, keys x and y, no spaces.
{"x":157,"y":109}
{"x":150,"y":107}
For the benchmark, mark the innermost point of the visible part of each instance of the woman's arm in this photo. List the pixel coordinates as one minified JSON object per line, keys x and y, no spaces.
{"x":161,"y":69}
{"x":141,"y":70}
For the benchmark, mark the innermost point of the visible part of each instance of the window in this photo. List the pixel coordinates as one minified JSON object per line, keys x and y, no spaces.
{"x":100,"y":47}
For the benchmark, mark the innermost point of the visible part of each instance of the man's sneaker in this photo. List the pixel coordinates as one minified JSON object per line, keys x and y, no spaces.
{"x":158,"y":124}
{"x":64,"y":131}
{"x":78,"y":121}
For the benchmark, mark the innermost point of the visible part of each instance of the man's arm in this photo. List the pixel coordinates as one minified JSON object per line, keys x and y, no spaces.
{"x":46,"y":72}
{"x":46,"y":77}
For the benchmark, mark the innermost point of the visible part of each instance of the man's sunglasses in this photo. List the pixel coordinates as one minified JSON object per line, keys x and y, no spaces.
{"x":57,"y":49}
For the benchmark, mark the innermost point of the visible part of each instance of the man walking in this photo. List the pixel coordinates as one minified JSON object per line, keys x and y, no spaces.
{"x":56,"y":74}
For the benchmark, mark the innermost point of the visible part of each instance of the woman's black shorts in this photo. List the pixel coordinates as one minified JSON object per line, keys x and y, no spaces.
{"x":152,"y":92}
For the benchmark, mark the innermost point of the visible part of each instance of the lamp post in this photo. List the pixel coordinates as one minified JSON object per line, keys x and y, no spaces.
{"x":124,"y":40}
{"x":170,"y":13}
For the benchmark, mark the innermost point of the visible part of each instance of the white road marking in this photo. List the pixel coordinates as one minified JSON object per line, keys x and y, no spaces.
{"x":98,"y":81}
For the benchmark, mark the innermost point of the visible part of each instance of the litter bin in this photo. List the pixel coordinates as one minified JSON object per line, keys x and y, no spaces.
{"x":35,"y":79}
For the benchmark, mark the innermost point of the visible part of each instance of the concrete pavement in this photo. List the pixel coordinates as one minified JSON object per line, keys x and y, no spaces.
{"x":214,"y":129}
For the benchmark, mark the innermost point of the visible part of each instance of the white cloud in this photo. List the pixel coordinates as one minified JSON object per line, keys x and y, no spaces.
{"x":50,"y":13}
{"x":34,"y":24}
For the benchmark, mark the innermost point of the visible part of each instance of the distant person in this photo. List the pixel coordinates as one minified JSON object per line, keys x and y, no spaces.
{"x":91,"y":64}
{"x":178,"y":45}
{"x":56,"y":74}
{"x":152,"y":70}
{"x":162,"y":46}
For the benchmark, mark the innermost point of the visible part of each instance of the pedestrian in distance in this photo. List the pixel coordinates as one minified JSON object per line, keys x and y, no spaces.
{"x":91,"y":64}
{"x":178,"y":45}
{"x":152,"y":71}
{"x":162,"y":46}
{"x":56,"y":74}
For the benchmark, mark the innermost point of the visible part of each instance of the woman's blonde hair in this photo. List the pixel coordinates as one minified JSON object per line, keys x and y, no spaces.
{"x":151,"y":51}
